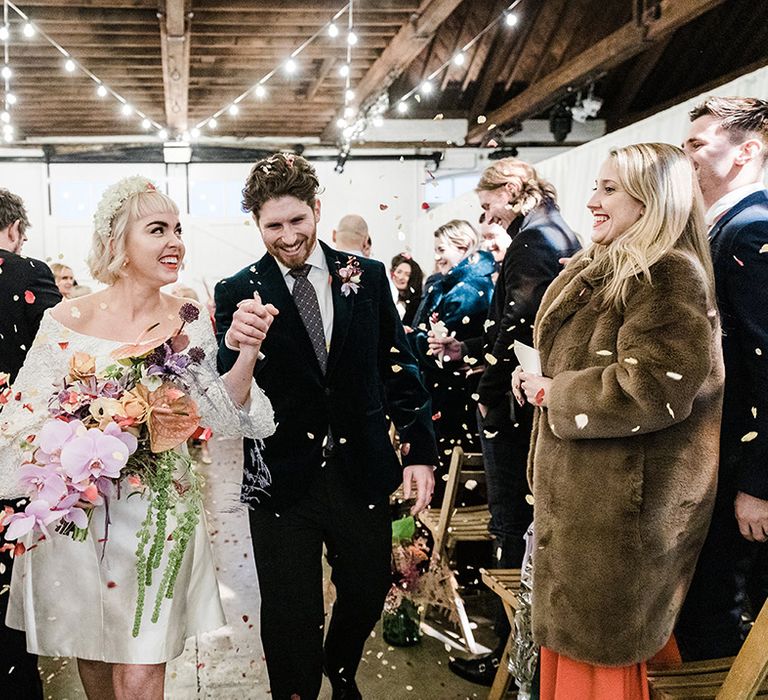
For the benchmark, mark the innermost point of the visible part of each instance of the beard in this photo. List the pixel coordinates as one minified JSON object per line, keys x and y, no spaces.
{"x":296,"y":260}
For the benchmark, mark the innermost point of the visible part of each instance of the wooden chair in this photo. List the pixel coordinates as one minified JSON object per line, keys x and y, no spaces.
{"x":737,"y":678}
{"x":452,"y":524}
{"x":505,"y":583}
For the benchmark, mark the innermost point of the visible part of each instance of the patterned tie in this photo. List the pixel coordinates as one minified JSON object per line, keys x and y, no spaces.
{"x":305,"y":298}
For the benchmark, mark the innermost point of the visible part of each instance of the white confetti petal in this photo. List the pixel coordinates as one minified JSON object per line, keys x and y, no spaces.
{"x":311,"y":436}
{"x":465,"y":320}
{"x":471,"y":485}
{"x":758,"y":351}
{"x":581,"y":421}
{"x":636,"y":428}
{"x":671,"y":412}
{"x":751,"y":435}
{"x":396,"y":368}
{"x":490,"y":359}
{"x":764,"y":248}
{"x":604,"y":353}
{"x":754,"y":411}
{"x":675,"y":375}
{"x":630,"y":360}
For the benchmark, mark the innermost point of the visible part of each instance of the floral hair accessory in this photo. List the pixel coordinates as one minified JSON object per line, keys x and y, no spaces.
{"x":114,"y":197}
{"x":350,"y":276}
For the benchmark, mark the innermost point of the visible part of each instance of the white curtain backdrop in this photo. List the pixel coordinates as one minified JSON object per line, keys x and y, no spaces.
{"x":573,"y":173}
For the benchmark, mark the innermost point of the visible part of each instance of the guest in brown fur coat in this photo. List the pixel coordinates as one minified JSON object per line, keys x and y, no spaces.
{"x":625,"y":446}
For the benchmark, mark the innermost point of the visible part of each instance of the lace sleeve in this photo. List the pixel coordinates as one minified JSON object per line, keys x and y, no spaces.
{"x":27,"y":404}
{"x":217,"y":410}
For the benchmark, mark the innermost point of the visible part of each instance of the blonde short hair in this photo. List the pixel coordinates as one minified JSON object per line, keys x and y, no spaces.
{"x":530,"y":190}
{"x":459,"y":234}
{"x":58,"y":268}
{"x":107,"y":254}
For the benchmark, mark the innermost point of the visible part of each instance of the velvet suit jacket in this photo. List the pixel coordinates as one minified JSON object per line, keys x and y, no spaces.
{"x":27,"y":289}
{"x":371,"y":376}
{"x":739,"y":243}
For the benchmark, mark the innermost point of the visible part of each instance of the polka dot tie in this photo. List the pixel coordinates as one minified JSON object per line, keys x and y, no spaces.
{"x":305,"y":298}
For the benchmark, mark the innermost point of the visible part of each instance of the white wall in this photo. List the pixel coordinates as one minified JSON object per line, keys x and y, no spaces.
{"x":220,"y":237}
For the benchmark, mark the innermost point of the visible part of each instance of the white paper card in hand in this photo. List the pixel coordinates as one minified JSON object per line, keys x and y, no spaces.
{"x":439,"y":329}
{"x":528,"y":358}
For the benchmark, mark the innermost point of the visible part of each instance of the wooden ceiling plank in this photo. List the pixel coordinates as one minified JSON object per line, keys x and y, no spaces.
{"x":325,"y":68}
{"x":175,"y":24}
{"x":617,"y":47}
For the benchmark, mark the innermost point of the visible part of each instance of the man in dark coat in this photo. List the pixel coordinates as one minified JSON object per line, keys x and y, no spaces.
{"x":335,"y":363}
{"x":512,"y":194}
{"x":728,"y":142}
{"x":27,"y":289}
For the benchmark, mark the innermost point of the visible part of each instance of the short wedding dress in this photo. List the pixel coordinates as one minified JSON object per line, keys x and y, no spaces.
{"x":78,"y":599}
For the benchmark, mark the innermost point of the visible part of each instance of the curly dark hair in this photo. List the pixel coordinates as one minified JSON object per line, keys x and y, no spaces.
{"x":280,"y":175}
{"x":12,"y":209}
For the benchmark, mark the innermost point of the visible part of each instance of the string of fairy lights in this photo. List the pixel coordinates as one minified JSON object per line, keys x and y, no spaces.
{"x":29,"y":30}
{"x":352,"y":123}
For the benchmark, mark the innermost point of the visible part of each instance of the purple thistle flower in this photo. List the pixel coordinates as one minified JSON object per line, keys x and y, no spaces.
{"x":189,"y":312}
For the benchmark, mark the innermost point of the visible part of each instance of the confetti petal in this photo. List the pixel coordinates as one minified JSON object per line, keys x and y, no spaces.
{"x":751,"y":435}
{"x":671,"y":412}
{"x":764,"y":248}
{"x":29,"y":297}
{"x":675,"y":375}
{"x":490,"y":359}
{"x":582,"y":419}
{"x":424,"y":206}
{"x":604,"y":353}
{"x":383,"y":207}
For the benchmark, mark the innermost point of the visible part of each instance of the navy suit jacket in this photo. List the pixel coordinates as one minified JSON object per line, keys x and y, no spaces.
{"x":27,"y":289}
{"x":741,"y":277}
{"x":371,"y":375}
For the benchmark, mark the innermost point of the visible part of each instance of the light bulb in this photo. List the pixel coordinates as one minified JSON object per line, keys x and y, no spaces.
{"x":290,"y":66}
{"x":145,"y":124}
{"x":29,"y":30}
{"x":6,"y":72}
{"x":8,"y":138}
{"x":459,"y":59}
{"x":195,"y":133}
{"x":212,"y":123}
{"x":163,"y":134}
{"x":260,"y":91}
{"x":378,"y":121}
{"x":10,"y":98}
{"x":233,"y":110}
{"x":510,"y":19}
{"x":333,"y":31}
{"x":341,"y":123}
{"x":7,"y":129}
{"x":349,"y":112}
{"x":349,"y":95}
{"x":402,"y":107}
{"x":101,"y":91}
{"x":344,"y":70}
{"x":5,"y":117}
{"x":4,"y":33}
{"x":127,"y":110}
{"x":69,"y":66}
{"x":351,"y":38}
{"x":426,"y":88}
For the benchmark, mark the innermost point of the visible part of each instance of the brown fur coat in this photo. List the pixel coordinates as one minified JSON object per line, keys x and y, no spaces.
{"x":624,"y":459}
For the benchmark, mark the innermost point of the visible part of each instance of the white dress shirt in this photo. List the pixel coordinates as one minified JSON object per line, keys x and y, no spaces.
{"x":730,"y":200}
{"x":320,"y":278}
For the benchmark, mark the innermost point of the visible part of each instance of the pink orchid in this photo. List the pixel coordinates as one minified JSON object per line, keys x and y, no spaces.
{"x":38,"y":514}
{"x":128,"y":439}
{"x":93,"y":455}
{"x":45,"y":479}
{"x":56,"y":433}
{"x":72,"y":512}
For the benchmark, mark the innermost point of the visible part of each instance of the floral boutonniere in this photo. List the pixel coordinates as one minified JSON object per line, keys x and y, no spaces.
{"x":350,"y":276}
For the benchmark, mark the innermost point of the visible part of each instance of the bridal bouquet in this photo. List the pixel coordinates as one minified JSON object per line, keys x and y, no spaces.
{"x":116,"y":429}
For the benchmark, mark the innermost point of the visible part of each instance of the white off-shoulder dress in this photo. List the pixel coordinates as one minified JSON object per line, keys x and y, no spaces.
{"x":78,"y":598}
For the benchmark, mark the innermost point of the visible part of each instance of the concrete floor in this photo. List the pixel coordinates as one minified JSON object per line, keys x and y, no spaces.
{"x":229,"y":663}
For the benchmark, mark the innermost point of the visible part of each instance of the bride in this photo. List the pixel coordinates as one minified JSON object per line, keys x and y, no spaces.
{"x":83,"y":598}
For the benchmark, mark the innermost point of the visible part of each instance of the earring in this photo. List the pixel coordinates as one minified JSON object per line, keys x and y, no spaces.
{"x":125,"y":262}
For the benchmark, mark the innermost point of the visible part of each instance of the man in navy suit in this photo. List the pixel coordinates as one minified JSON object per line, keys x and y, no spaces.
{"x":336,"y":366}
{"x":728,"y":143}
{"x":27,"y":289}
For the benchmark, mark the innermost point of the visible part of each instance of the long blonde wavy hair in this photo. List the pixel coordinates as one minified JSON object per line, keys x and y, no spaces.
{"x":662,"y":178}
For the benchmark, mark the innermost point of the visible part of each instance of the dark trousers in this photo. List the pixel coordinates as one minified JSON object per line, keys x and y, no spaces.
{"x":288,"y":545}
{"x":505,"y":456}
{"x":18,"y":669}
{"x":729,"y":587}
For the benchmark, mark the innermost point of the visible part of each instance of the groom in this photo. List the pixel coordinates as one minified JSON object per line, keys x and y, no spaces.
{"x":336,"y":366}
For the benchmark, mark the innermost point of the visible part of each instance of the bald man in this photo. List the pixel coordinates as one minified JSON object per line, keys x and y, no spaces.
{"x":351,"y":236}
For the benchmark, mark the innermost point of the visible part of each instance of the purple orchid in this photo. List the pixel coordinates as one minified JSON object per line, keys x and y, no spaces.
{"x":45,"y":479}
{"x":37,"y":515}
{"x":93,"y":455}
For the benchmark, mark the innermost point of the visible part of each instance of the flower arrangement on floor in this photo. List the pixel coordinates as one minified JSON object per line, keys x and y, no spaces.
{"x":112,"y":430}
{"x":418,"y":581}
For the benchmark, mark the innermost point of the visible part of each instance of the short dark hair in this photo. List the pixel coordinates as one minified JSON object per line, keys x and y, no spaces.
{"x":740,"y":117}
{"x":12,"y":209}
{"x":280,"y":175}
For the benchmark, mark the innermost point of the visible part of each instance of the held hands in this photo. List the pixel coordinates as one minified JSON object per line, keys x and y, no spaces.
{"x":250,"y":324}
{"x":752,"y":517}
{"x":424,"y":477}
{"x":444,"y":348}
{"x":530,"y":387}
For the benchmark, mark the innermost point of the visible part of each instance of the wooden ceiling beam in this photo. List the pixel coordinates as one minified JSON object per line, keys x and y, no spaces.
{"x":628,"y":41}
{"x":175,"y":22}
{"x":414,"y":36}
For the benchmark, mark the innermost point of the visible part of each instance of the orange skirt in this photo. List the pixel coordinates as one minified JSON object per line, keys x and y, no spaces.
{"x":565,"y":679}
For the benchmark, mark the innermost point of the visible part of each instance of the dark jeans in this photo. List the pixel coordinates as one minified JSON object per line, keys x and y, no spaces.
{"x":288,"y":547}
{"x":18,"y":669}
{"x":505,"y":455}
{"x":729,"y":587}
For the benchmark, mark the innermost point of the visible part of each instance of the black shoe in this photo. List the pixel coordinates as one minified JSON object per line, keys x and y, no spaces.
{"x":346,"y":691}
{"x":480,"y":670}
